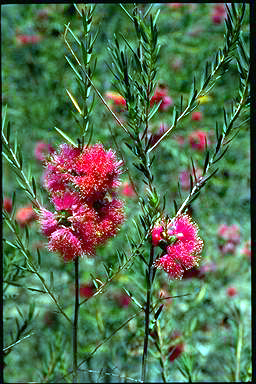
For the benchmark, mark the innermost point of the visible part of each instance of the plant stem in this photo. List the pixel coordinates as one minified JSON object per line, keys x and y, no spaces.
{"x":238,"y":351}
{"x":149,"y":277}
{"x":75,"y":323}
{"x":159,"y":347}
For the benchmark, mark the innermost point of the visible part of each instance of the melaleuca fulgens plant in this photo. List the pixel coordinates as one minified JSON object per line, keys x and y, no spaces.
{"x":83,"y":179}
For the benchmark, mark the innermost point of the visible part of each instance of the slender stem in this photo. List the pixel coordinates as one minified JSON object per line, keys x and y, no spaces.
{"x":75,"y":323}
{"x":149,"y":277}
{"x":238,"y":351}
{"x":159,"y":347}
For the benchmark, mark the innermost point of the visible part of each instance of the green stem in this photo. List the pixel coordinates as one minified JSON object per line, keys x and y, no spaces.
{"x":159,"y":347}
{"x":238,"y":351}
{"x":150,"y":278}
{"x":75,"y":323}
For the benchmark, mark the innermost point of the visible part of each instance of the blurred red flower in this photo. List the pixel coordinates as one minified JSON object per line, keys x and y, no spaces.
{"x":197,"y":116}
{"x":42,"y":149}
{"x":28,"y":39}
{"x":219,"y":13}
{"x":26,"y":215}
{"x":246,"y":250}
{"x":87,"y":290}
{"x":197,"y":140}
{"x":7,"y":204}
{"x":127,"y":189}
{"x":230,"y":233}
{"x":161,"y":95}
{"x":231,"y":291}
{"x":122,"y":299}
{"x":175,"y":350}
{"x":116,"y":98}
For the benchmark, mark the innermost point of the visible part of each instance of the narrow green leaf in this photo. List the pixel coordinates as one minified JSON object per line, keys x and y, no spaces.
{"x":72,"y":66}
{"x":175,"y":206}
{"x":4,"y":117}
{"x":65,"y":136}
{"x":51,"y":280}
{"x":34,"y":185}
{"x":76,"y":38}
{"x":206,"y":162}
{"x":154,"y":110}
{"x":76,"y":7}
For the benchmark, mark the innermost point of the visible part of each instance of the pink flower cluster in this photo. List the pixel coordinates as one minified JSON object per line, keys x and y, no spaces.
{"x":82,"y":184}
{"x":229,"y":237}
{"x":180,"y":243}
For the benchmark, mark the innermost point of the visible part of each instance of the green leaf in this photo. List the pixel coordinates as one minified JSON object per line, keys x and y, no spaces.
{"x":66,"y":137}
{"x":74,"y":69}
{"x":4,"y":117}
{"x":206,"y":162}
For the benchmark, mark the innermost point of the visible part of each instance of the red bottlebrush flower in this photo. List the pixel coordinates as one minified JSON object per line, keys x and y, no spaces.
{"x":87,"y":290}
{"x":99,"y":171}
{"x":231,"y":291}
{"x":66,"y":243}
{"x":127,"y":189}
{"x":175,"y":349}
{"x":82,"y":183}
{"x":68,"y":201}
{"x":26,"y":215}
{"x":157,"y":235}
{"x":42,"y":149}
{"x":183,"y":246}
{"x":92,"y":171}
{"x":197,"y":140}
{"x":161,"y":95}
{"x":7,"y":204}
{"x":28,"y":39}
{"x":197,"y":116}
{"x":48,"y":222}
